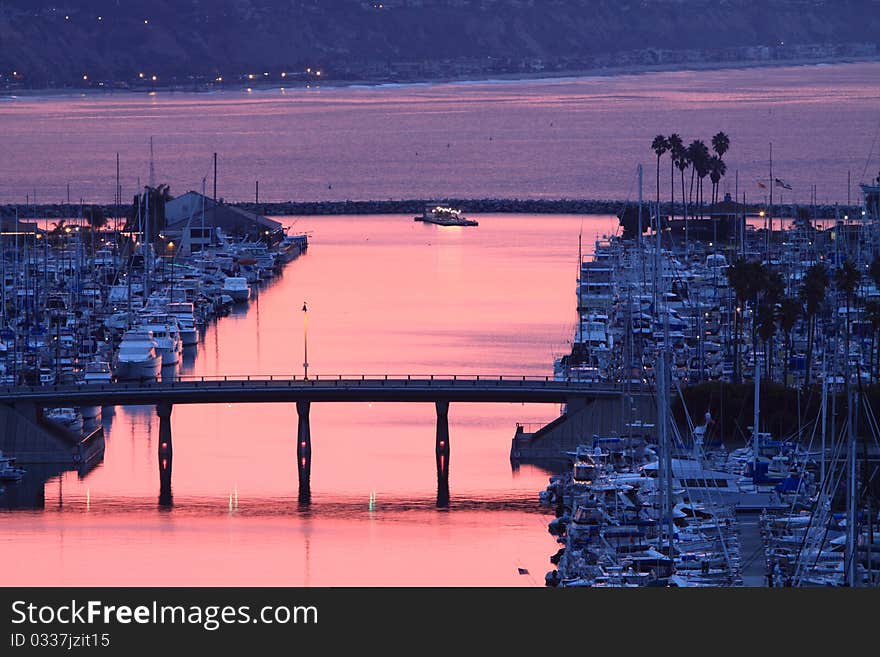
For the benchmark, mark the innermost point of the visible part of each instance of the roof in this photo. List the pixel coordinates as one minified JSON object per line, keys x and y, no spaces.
{"x":186,"y":208}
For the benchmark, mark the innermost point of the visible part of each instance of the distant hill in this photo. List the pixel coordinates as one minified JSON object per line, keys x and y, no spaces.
{"x":58,"y":42}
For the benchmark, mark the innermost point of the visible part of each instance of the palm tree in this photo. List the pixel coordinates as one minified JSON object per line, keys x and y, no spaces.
{"x":789,"y":312}
{"x":720,"y":144}
{"x":767,"y":289}
{"x":676,"y":146}
{"x":846,"y":280}
{"x":659,"y":146}
{"x":698,"y":154}
{"x":717,"y":169}
{"x":812,"y":293}
{"x":740,"y":276}
{"x":682,"y":162}
{"x":765,"y":321}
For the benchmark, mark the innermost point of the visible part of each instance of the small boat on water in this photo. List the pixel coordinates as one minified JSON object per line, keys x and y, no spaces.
{"x":66,"y":417}
{"x":237,"y":288}
{"x":445,"y":216}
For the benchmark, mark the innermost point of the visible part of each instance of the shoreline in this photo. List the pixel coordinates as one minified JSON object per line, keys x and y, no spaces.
{"x":26,"y":213}
{"x":506,"y":78}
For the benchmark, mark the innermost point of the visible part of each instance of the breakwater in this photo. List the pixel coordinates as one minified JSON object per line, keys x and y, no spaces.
{"x":416,"y":206}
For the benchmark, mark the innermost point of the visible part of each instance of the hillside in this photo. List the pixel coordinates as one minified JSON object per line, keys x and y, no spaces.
{"x":57,"y":43}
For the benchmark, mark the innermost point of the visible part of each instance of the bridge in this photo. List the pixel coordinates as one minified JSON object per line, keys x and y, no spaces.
{"x":440,"y":390}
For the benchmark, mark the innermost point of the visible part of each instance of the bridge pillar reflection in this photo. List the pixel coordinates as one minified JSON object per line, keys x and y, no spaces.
{"x":441,"y":449}
{"x":304,"y":452}
{"x":163,"y":410}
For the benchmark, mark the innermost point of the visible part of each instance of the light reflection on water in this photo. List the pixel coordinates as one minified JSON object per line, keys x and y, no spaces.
{"x":385,"y":294}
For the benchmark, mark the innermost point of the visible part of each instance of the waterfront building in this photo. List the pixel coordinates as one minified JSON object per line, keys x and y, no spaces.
{"x":193,"y":220}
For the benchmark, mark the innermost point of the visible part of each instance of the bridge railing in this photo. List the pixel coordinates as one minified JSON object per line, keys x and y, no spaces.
{"x":272,"y":380}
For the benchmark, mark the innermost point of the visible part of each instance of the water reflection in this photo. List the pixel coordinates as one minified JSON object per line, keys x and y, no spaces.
{"x":30,"y":492}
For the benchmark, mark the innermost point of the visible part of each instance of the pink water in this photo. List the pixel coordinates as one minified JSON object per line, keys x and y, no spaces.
{"x":385,"y":295}
{"x":572,"y":138}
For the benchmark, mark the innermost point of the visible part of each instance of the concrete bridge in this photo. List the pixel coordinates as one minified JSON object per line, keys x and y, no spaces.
{"x":441,"y":390}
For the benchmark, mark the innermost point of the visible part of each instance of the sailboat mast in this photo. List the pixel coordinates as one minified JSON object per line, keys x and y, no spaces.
{"x":824,"y":421}
{"x":757,"y":418}
{"x":769,"y":223}
{"x":851,"y":492}
{"x":639,"y":236}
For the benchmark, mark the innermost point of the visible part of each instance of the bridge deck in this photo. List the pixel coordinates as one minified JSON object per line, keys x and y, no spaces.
{"x":248,"y":389}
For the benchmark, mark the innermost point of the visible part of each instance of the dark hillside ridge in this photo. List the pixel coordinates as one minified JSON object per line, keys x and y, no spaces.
{"x":58,"y":43}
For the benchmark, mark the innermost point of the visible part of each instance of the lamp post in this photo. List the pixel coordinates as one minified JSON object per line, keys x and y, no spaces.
{"x":305,"y":340}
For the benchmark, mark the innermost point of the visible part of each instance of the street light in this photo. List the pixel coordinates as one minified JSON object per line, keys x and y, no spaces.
{"x":305,"y":340}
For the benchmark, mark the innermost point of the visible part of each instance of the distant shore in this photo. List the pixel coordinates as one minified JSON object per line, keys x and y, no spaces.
{"x":330,"y":83}
{"x":416,"y":207}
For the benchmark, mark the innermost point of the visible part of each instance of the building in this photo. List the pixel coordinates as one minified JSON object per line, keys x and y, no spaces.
{"x":194,"y":221}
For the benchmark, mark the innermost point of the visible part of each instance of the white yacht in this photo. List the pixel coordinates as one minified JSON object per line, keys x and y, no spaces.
{"x":166,"y":333}
{"x":96,"y":372}
{"x":237,"y":288}
{"x":138,"y":356}
{"x":185,"y":314}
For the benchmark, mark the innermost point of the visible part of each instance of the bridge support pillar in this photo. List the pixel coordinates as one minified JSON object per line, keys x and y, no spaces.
{"x":163,"y":410}
{"x":304,"y":451}
{"x":441,"y":449}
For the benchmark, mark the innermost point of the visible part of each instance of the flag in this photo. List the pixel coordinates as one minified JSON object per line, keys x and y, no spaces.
{"x":762,"y":185}
{"x":782,"y":183}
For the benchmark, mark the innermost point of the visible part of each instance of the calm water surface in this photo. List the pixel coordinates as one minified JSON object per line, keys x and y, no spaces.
{"x":385,"y":295}
{"x":571,"y":138}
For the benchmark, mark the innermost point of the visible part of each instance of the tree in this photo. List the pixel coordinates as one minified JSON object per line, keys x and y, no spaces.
{"x":812,"y":293}
{"x":659,"y":146}
{"x":698,"y":154}
{"x":629,"y":221}
{"x":95,"y":217}
{"x":789,"y":311}
{"x":720,"y":144}
{"x":676,"y":146}
{"x":717,"y":169}
{"x":739,"y":276}
{"x":765,"y":322}
{"x":682,"y":162}
{"x":846,"y":280}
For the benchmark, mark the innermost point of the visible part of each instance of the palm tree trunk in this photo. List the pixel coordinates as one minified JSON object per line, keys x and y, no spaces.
{"x":684,"y":207}
{"x":671,"y":187}
{"x":658,"y":182}
{"x":691,"y":190}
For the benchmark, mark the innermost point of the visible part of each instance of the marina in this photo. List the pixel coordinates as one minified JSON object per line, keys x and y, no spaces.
{"x":702,"y":405}
{"x":649,"y":307}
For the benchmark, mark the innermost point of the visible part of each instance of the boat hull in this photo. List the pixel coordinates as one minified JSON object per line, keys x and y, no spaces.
{"x":138,"y":370}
